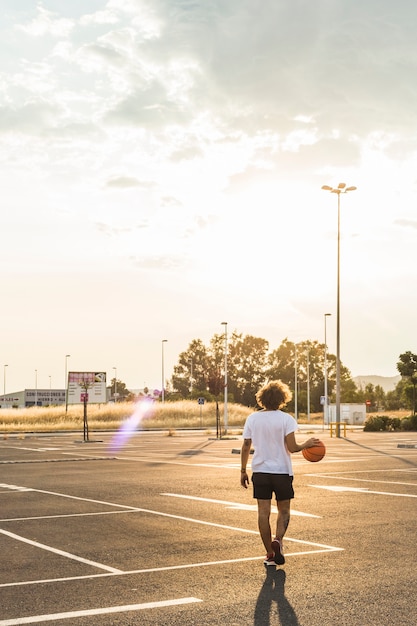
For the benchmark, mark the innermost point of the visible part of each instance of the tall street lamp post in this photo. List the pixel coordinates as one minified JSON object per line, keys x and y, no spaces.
{"x":50,"y":390}
{"x":341,"y":188}
{"x":67,"y":356}
{"x":295,"y":385}
{"x":308,"y":384}
{"x":36,"y":387}
{"x":163,"y":371}
{"x":191,"y":376}
{"x":326,"y":402}
{"x":4,"y":384}
{"x":225,"y":378}
{"x":115,"y":384}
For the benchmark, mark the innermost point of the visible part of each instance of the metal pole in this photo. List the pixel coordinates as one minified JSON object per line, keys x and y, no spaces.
{"x":308,"y":385}
{"x":163,"y":373}
{"x":50,"y":391}
{"x":326,"y":403}
{"x":295,"y":386}
{"x":4,"y":384}
{"x":338,"y":323}
{"x":341,"y":188}
{"x":67,"y":356}
{"x":225,"y":378}
{"x":115,"y":384}
{"x":191,"y":376}
{"x":36,"y":387}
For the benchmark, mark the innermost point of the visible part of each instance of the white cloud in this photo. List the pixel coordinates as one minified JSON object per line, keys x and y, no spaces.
{"x":45,"y":23}
{"x":99,"y":17}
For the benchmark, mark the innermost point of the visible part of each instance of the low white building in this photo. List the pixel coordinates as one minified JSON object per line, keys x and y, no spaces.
{"x":32,"y":397}
{"x":349,"y":413}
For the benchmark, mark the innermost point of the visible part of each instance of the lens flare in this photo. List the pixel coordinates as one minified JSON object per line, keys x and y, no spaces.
{"x":143,"y":410}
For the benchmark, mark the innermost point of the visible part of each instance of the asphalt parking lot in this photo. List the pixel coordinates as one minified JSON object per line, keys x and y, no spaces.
{"x":160,"y":532}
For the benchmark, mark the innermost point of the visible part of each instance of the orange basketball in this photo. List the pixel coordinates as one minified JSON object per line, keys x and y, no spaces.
{"x":314,"y":454}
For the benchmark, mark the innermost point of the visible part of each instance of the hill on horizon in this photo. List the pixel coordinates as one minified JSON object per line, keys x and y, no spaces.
{"x":388,"y":383}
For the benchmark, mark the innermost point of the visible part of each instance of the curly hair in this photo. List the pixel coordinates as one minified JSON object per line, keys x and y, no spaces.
{"x":273,"y":395}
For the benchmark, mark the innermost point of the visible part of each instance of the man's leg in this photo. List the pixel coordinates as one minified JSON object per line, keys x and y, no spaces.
{"x":264,"y":512}
{"x":283,"y":519}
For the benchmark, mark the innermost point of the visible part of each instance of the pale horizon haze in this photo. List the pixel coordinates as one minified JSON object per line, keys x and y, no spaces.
{"x":161,"y":172}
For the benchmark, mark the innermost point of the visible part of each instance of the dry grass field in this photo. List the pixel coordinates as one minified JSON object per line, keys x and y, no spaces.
{"x":169,"y":416}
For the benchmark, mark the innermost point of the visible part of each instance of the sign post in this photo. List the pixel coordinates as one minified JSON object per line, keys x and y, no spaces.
{"x":79,"y":386}
{"x":201,"y":403}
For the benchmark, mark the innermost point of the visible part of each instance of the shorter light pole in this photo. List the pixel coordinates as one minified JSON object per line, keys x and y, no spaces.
{"x":191,"y":376}
{"x":50,"y":390}
{"x":4,"y":384}
{"x":295,"y":384}
{"x":163,"y":371}
{"x":67,"y":356}
{"x":115,"y":384}
{"x":36,"y":387}
{"x":326,"y":401}
{"x":225,"y":378}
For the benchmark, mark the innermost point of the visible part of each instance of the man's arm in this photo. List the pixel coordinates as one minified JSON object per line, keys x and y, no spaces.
{"x":293,"y":446}
{"x":244,"y":457}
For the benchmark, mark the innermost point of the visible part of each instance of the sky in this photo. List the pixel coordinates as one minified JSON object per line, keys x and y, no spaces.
{"x":161,"y":165}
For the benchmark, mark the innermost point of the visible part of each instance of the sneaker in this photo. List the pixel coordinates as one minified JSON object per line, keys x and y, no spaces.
{"x":269,"y":560}
{"x":279,"y":557}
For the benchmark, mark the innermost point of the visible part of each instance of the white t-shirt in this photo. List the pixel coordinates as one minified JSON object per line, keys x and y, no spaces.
{"x":268,"y":430}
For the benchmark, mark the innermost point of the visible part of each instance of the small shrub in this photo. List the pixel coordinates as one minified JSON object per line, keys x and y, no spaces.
{"x":395,"y":423}
{"x":413,"y":420}
{"x":380,"y":423}
{"x":376,"y":423}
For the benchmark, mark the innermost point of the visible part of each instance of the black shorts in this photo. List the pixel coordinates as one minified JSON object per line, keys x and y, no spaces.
{"x":264,"y":485}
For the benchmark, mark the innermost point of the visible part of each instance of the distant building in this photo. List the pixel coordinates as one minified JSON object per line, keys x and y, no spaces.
{"x":349,"y":413}
{"x":32,"y":397}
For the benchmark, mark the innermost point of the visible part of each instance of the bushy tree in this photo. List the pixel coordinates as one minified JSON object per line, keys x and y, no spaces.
{"x":407,"y":367}
{"x":119,"y":387}
{"x":200,"y":370}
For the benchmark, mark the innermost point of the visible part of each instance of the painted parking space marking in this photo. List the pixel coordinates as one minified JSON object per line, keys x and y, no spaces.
{"x":342,"y":488}
{"x":365,"y":480}
{"x":68,"y":555}
{"x":316,"y":548}
{"x":110,"y":571}
{"x":14,"y":488}
{"x":233,"y":505}
{"x":37,"y":619}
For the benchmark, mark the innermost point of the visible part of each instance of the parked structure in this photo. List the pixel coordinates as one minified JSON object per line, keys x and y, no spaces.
{"x":32,"y":397}
{"x":349,"y":413}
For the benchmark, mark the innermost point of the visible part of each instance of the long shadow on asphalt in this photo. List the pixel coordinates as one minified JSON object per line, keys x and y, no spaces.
{"x":392,"y":456}
{"x":272,"y":598}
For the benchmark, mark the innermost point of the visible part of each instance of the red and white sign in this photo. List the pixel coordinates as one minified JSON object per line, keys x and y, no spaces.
{"x":86,"y":386}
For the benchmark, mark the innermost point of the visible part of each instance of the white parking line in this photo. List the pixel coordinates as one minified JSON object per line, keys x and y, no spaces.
{"x":68,"y":555}
{"x":363,"y":490}
{"x":233,"y":505}
{"x":316,"y":549}
{"x":37,"y":619}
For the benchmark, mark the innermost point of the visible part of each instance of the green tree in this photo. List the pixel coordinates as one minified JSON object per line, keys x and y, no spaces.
{"x":191,"y":374}
{"x":118,"y":387}
{"x":200,"y":370}
{"x":379,"y":397}
{"x":247,"y":362}
{"x":407,"y":367}
{"x":281,"y":363}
